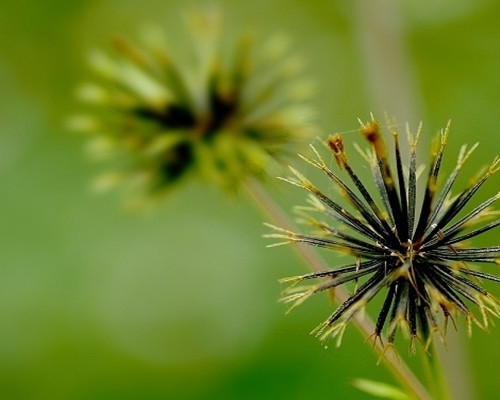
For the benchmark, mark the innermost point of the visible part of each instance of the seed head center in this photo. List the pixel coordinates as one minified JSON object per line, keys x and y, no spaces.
{"x":406,"y":256}
{"x":411,"y":251}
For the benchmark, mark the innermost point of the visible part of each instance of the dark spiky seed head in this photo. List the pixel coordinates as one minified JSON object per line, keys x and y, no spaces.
{"x":420,"y":259}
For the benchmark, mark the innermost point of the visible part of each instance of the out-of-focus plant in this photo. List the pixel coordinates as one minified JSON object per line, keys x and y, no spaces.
{"x":223,"y":111}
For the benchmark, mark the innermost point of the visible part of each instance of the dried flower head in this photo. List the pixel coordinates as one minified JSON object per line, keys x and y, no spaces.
{"x":418,"y":258}
{"x":224,"y":115}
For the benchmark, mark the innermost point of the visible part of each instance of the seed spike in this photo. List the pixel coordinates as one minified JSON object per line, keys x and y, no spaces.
{"x":462,"y":200}
{"x":467,"y":155}
{"x":376,"y":280}
{"x":445,"y":133}
{"x":412,"y":187}
{"x":292,"y":182}
{"x":384,"y":175}
{"x":368,"y":214}
{"x":279,"y":244}
{"x":340,"y":212}
{"x":384,"y":311}
{"x":316,"y":153}
{"x":458,"y":226}
{"x":336,"y":145}
{"x":462,"y":158}
{"x":301,"y":177}
{"x":480,"y":274}
{"x":375,"y":216}
{"x":293,"y":279}
{"x":362,"y":152}
{"x":413,"y":139}
{"x":335,"y":233}
{"x":405,"y":229}
{"x":426,"y":211}
{"x":371,"y":132}
{"x":277,"y":228}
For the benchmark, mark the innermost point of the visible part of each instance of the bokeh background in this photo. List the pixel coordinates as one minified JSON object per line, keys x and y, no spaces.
{"x":181,"y":302}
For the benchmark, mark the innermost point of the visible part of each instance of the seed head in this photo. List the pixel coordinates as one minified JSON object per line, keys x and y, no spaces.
{"x":223,"y":115}
{"x":416,"y":255}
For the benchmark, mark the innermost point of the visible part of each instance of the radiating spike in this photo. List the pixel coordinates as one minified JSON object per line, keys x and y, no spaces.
{"x":462,"y":158}
{"x":345,"y":216}
{"x":402,"y":188}
{"x":480,"y":274}
{"x":412,"y":317}
{"x":298,"y":295}
{"x":379,"y":182}
{"x":385,"y":310}
{"x":370,"y":218}
{"x":337,"y":146}
{"x":443,"y":292}
{"x":371,"y":132}
{"x":326,"y":243}
{"x":335,"y":233}
{"x":461,"y":224}
{"x":376,"y":281}
{"x":412,"y":181}
{"x":458,"y":280}
{"x":462,"y":200}
{"x":426,"y":211}
{"x":392,"y":330}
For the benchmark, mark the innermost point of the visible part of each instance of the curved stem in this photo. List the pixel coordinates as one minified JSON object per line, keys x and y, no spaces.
{"x":314,"y":261}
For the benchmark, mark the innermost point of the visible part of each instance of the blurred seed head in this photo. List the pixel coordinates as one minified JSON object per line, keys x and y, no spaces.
{"x":416,"y":252}
{"x":158,"y":113}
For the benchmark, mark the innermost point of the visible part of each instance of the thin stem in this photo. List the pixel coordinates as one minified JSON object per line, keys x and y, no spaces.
{"x":458,"y":377}
{"x":314,"y":261}
{"x":435,"y":375}
{"x":429,"y":377}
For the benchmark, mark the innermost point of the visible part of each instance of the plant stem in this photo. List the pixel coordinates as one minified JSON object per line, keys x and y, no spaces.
{"x":384,"y":56}
{"x":315,"y":262}
{"x":455,"y":368}
{"x":435,"y":375}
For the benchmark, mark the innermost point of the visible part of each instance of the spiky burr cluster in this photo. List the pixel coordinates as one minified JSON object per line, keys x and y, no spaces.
{"x":158,"y":117}
{"x":412,"y":250}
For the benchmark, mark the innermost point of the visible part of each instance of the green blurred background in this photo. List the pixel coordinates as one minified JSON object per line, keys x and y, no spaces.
{"x":181,"y":303}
